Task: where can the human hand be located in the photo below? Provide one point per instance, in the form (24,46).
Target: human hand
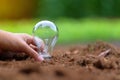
(20,42)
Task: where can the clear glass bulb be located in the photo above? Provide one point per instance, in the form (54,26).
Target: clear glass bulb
(48,32)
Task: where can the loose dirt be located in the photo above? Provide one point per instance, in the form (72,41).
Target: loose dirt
(95,61)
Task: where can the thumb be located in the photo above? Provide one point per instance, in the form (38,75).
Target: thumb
(31,52)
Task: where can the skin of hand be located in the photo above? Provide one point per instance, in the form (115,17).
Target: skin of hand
(19,42)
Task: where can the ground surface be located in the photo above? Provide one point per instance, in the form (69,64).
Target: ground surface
(96,61)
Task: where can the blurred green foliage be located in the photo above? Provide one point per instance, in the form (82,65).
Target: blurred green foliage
(72,30)
(78,8)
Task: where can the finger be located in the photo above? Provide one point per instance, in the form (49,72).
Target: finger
(33,53)
(34,41)
(26,37)
(29,39)
(33,47)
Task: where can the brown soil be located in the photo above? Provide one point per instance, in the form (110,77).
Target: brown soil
(98,61)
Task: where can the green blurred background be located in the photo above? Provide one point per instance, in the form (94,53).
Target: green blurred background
(79,21)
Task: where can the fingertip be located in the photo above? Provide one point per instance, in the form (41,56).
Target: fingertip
(40,58)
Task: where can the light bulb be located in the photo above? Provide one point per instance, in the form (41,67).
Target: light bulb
(48,32)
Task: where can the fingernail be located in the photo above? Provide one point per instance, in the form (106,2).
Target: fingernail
(40,58)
